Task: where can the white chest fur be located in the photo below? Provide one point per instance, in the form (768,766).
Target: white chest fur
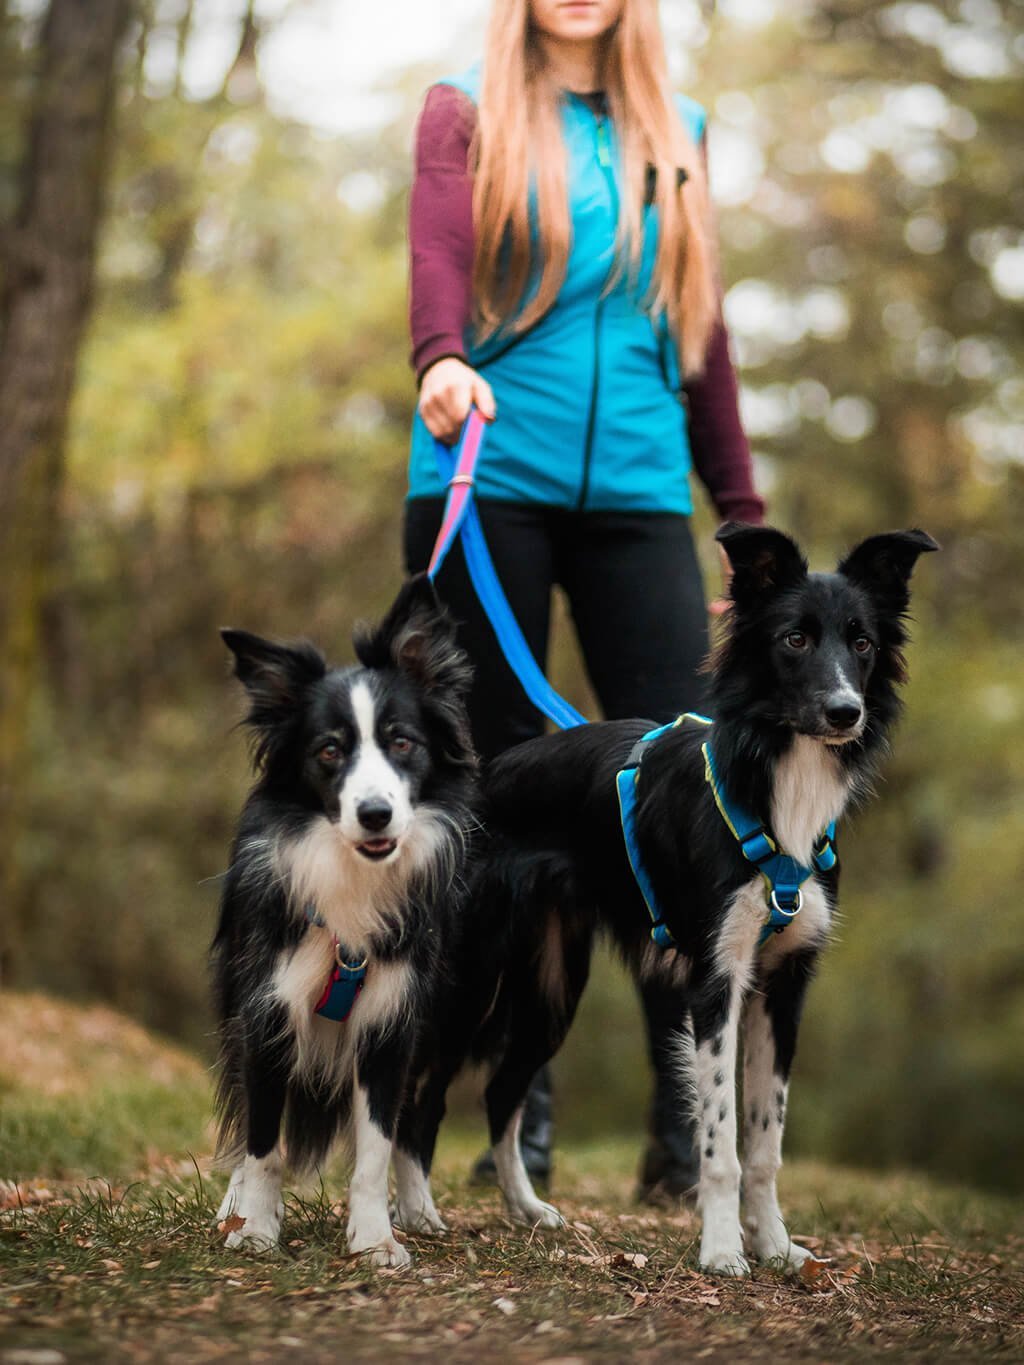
(811,790)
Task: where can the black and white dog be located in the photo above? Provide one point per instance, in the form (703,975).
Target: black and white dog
(803,693)
(350,851)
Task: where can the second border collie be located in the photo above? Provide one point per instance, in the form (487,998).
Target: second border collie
(803,694)
(342,898)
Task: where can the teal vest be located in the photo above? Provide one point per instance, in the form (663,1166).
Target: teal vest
(589,412)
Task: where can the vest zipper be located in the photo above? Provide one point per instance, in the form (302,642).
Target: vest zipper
(604,159)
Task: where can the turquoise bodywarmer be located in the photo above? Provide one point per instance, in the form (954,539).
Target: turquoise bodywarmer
(589,413)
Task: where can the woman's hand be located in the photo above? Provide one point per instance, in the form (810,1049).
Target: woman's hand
(721,604)
(448,391)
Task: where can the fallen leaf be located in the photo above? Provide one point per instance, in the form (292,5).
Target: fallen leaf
(812,1270)
(233,1223)
(634,1258)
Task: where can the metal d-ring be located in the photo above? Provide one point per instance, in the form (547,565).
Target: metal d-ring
(349,966)
(782,909)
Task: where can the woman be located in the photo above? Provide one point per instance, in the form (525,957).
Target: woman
(563,280)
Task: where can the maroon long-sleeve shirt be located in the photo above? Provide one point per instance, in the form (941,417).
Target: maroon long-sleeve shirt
(441,302)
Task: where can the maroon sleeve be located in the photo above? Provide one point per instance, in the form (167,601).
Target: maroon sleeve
(721,454)
(441,228)
(718,443)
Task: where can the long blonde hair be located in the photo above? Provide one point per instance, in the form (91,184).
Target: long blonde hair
(519,137)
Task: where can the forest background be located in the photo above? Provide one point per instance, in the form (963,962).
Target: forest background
(235,451)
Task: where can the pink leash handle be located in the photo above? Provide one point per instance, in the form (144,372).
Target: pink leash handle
(460,486)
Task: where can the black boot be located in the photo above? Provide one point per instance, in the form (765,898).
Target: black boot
(670,1168)
(535,1136)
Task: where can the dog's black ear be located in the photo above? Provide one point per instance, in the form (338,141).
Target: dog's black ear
(764,561)
(883,564)
(274,675)
(417,636)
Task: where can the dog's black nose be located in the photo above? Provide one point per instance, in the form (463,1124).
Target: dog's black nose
(374,813)
(843,715)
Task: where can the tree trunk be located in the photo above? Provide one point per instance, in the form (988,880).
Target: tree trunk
(49,260)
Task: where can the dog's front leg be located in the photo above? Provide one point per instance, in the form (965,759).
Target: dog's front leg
(254,1194)
(769,1040)
(715,1017)
(380,1079)
(416,1139)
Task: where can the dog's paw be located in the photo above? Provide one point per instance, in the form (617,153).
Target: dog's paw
(424,1220)
(231,1200)
(536,1214)
(259,1235)
(387,1254)
(782,1255)
(731,1263)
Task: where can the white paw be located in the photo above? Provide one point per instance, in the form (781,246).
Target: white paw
(389,1253)
(227,1207)
(424,1220)
(232,1196)
(536,1214)
(732,1263)
(783,1254)
(255,1234)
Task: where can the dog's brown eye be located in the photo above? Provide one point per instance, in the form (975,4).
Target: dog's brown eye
(863,645)
(329,752)
(400,744)
(796,639)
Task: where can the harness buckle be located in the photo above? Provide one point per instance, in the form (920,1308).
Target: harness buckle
(465,479)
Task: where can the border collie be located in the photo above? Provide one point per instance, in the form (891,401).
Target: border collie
(349,851)
(803,692)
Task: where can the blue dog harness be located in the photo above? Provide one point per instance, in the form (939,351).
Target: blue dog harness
(346,978)
(783,875)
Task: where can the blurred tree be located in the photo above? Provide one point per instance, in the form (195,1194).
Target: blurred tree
(49,254)
(236,456)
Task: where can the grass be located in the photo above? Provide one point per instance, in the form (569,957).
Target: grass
(103,1269)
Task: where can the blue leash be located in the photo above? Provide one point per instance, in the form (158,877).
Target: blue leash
(783,875)
(461,515)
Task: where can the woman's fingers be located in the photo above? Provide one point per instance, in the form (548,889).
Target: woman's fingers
(447,392)
(483,397)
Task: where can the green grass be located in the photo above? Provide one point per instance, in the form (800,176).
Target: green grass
(99,1266)
(139,1273)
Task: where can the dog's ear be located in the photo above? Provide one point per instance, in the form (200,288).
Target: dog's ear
(274,675)
(417,637)
(883,564)
(764,561)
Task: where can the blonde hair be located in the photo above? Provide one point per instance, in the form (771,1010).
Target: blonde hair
(519,139)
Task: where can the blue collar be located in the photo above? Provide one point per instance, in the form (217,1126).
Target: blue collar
(783,875)
(346,978)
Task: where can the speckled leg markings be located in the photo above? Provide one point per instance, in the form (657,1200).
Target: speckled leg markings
(764,1105)
(369,1224)
(523,1204)
(714,1077)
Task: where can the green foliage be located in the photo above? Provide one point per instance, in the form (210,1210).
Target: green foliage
(237,457)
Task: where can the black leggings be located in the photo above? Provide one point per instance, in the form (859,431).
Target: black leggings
(637,600)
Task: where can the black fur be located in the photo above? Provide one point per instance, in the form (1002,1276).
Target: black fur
(802,653)
(307,747)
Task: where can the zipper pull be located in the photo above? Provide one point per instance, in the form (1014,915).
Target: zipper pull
(604,155)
